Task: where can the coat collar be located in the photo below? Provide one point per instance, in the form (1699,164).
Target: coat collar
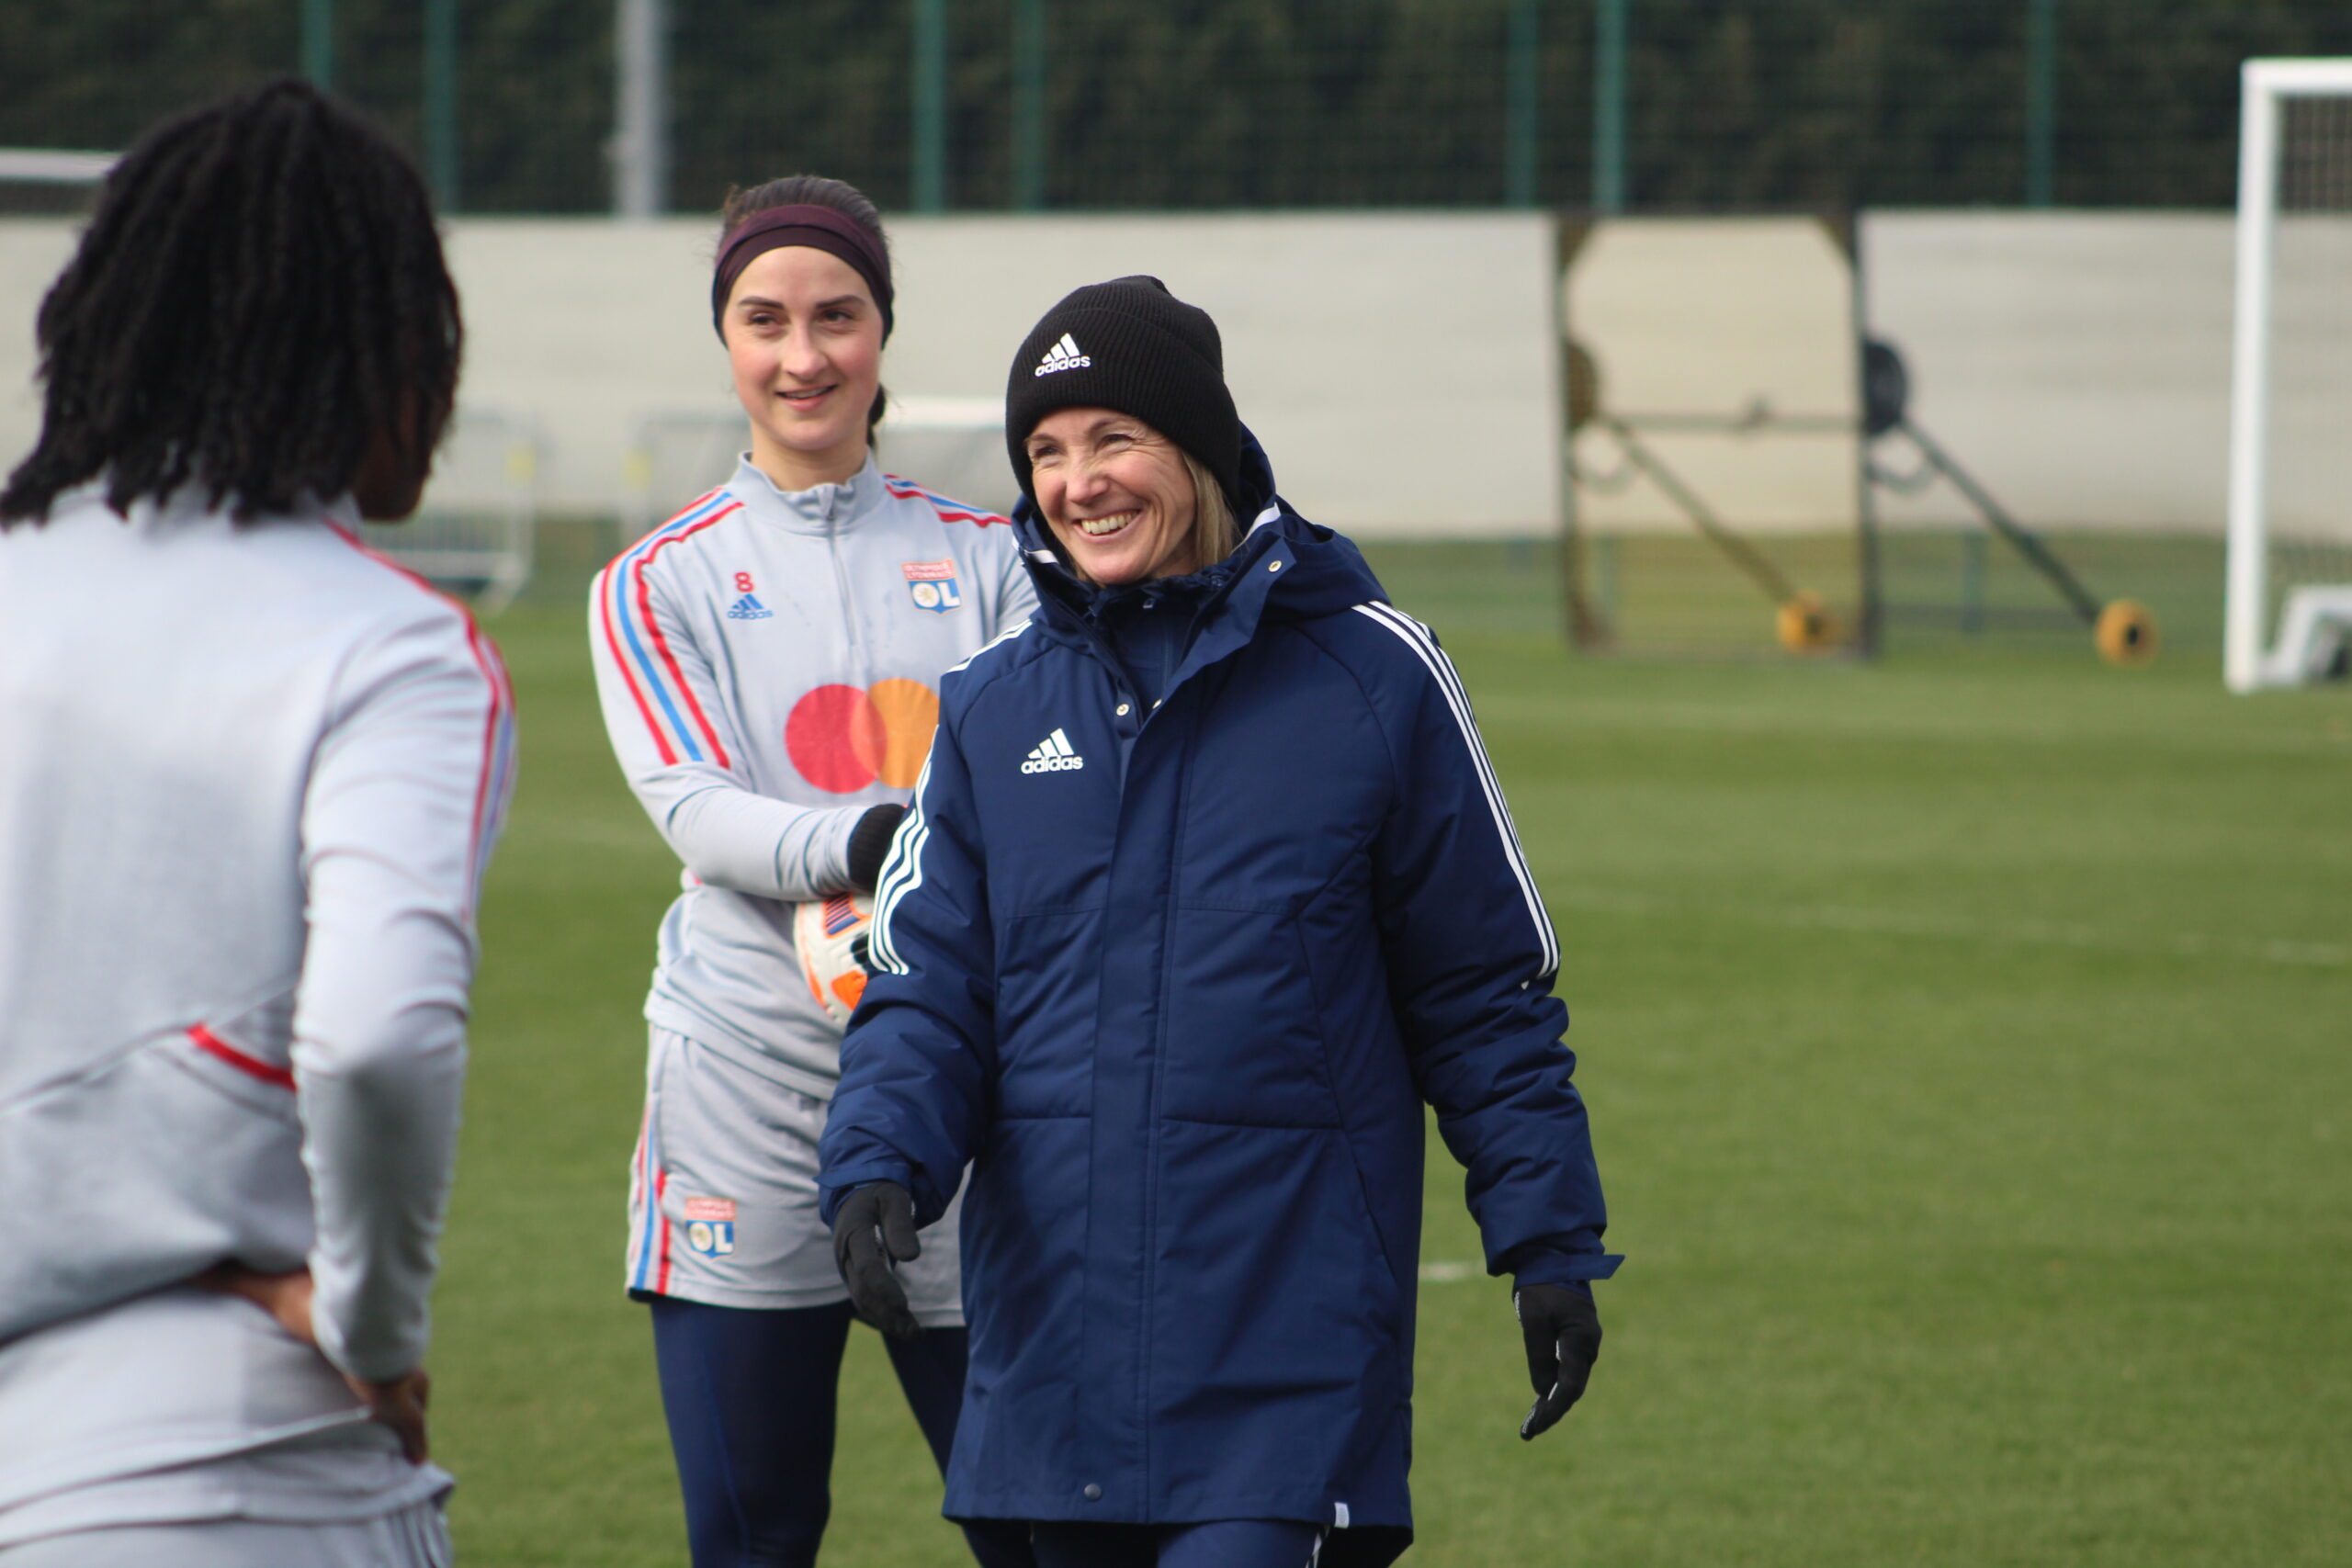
(1285,568)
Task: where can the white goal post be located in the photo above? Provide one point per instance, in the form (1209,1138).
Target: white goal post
(2291,391)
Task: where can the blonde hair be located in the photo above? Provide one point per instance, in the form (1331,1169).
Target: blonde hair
(1214,532)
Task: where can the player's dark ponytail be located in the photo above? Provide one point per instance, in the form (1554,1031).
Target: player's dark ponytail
(811,191)
(259,298)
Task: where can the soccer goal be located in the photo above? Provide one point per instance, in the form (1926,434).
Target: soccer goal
(2289,615)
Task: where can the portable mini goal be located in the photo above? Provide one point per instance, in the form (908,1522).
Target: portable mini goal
(2288,611)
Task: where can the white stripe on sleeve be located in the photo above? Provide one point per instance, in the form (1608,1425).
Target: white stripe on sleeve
(1417,636)
(901,874)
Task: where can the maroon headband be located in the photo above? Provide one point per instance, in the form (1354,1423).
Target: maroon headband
(819,228)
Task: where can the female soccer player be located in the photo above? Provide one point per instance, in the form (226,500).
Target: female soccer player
(249,778)
(768,662)
(1208,889)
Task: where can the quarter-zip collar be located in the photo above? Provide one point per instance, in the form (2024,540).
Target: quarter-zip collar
(823,511)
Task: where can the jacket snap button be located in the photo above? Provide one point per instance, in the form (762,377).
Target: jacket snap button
(1093,1492)
(1274,565)
(1121,710)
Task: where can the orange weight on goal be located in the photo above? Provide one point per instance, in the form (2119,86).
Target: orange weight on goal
(2126,632)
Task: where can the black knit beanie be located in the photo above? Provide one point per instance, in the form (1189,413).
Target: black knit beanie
(1128,345)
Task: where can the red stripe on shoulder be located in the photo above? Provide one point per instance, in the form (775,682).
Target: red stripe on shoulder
(493,727)
(494,673)
(662,643)
(611,589)
(948,511)
(211,1044)
(681,515)
(604,598)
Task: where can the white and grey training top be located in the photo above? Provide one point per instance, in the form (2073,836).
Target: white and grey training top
(250,774)
(769,665)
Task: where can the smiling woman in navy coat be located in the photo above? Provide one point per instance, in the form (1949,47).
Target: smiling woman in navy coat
(1207,887)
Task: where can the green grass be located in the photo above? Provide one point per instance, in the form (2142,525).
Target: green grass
(1966,1037)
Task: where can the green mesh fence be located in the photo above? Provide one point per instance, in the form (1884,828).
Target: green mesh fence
(1190,104)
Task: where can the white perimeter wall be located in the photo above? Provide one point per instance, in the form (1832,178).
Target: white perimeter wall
(1399,365)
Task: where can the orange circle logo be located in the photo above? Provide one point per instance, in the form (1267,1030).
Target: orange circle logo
(843,740)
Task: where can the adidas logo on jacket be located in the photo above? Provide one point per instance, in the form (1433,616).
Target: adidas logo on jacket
(1054,754)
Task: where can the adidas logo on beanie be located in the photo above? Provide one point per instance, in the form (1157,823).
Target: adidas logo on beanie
(1063,356)
(1147,354)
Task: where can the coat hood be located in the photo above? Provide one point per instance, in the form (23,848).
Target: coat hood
(1320,573)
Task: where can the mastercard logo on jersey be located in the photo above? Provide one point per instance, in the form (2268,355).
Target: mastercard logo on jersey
(844,739)
(933,583)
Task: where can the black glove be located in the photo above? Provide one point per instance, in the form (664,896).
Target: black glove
(874,1224)
(869,845)
(1563,1330)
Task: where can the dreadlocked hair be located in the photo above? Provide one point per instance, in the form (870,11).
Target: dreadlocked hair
(812,190)
(259,296)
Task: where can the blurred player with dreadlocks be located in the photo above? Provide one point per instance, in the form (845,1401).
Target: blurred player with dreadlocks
(249,777)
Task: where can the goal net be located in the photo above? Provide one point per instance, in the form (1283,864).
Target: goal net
(2290,596)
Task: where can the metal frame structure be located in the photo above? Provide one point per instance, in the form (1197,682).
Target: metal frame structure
(1801,621)
(2267,83)
(2124,631)
(47,166)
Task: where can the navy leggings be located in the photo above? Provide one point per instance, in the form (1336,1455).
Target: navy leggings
(750,1396)
(1221,1543)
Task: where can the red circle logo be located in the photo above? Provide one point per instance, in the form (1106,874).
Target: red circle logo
(844,739)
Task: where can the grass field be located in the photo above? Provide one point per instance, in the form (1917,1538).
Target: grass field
(1969,1042)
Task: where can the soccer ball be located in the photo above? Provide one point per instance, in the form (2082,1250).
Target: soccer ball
(830,936)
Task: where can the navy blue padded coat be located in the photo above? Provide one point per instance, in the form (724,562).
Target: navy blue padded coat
(1177,983)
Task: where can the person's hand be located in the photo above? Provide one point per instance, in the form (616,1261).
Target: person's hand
(874,1226)
(400,1405)
(1563,1331)
(397,1404)
(869,844)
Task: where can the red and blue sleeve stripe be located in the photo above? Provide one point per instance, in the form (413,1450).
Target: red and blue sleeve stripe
(949,510)
(681,730)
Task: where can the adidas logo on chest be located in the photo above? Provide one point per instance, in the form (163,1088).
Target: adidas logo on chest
(749,608)
(1063,356)
(1054,754)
